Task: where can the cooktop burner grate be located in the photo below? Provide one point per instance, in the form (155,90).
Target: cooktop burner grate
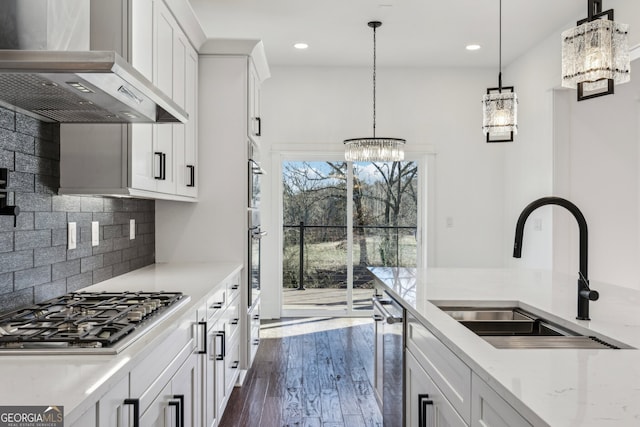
(83,319)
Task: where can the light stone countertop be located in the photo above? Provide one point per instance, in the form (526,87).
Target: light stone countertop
(77,381)
(554,387)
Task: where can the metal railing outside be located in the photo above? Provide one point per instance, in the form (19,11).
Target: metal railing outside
(384,246)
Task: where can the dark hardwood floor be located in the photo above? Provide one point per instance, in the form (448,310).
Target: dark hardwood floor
(309,372)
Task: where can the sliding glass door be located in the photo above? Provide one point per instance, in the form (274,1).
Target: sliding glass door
(338,219)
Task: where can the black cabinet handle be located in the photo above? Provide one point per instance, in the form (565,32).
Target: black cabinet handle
(217,305)
(223,350)
(259,120)
(256,341)
(159,154)
(256,317)
(204,338)
(179,409)
(234,287)
(164,166)
(177,412)
(136,410)
(235,365)
(192,176)
(423,403)
(234,321)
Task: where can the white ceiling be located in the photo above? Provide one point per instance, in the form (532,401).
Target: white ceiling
(420,33)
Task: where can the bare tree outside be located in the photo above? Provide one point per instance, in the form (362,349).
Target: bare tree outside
(384,221)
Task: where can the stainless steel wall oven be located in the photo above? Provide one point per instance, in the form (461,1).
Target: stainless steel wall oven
(255,231)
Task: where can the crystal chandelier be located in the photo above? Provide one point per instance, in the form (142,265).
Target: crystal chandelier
(595,54)
(374,149)
(500,105)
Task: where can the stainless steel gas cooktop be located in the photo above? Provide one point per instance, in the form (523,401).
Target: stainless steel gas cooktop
(85,322)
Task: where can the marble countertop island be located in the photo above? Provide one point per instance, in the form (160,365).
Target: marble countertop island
(553,387)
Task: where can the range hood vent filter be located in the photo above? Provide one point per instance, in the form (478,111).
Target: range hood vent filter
(81,87)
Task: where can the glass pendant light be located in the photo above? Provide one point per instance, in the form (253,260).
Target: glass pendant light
(374,149)
(595,54)
(500,105)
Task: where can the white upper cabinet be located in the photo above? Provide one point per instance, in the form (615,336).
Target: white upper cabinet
(141,160)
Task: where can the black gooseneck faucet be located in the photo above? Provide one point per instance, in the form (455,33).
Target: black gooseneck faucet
(585,294)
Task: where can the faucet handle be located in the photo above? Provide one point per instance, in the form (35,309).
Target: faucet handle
(585,291)
(589,294)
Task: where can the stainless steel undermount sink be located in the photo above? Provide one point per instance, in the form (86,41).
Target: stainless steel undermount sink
(512,327)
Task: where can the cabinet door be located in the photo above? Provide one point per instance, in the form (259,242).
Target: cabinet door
(184,388)
(163,36)
(425,404)
(488,409)
(255,121)
(141,37)
(220,354)
(186,160)
(111,408)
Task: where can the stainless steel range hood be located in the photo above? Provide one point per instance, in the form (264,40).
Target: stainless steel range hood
(81,87)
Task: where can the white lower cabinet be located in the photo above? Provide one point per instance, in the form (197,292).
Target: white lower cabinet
(442,391)
(220,362)
(175,406)
(424,402)
(488,409)
(254,333)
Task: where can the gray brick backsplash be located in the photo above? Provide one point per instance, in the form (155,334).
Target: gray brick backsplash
(59,237)
(80,281)
(105,246)
(35,264)
(49,290)
(31,164)
(82,219)
(50,220)
(112,231)
(83,249)
(121,268)
(112,258)
(33,202)
(32,239)
(17,299)
(112,205)
(34,127)
(31,277)
(120,243)
(7,159)
(91,263)
(7,119)
(19,181)
(6,283)
(66,203)
(130,253)
(47,184)
(149,239)
(102,274)
(65,269)
(25,222)
(47,149)
(14,261)
(91,204)
(48,256)
(6,242)
(104,218)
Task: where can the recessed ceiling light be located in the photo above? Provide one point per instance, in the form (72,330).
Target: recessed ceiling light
(301,45)
(472,47)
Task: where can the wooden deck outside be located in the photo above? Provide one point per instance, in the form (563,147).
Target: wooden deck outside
(325,298)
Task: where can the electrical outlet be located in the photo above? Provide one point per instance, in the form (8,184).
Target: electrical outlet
(95,233)
(71,235)
(132,229)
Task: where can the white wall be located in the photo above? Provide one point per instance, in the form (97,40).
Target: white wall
(584,151)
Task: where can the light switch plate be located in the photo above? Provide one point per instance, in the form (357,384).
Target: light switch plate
(71,235)
(132,229)
(95,233)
